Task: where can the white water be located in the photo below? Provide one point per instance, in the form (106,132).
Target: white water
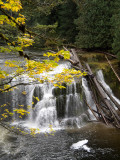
(45,112)
(46,108)
(81,144)
(100,78)
(88,95)
(75,115)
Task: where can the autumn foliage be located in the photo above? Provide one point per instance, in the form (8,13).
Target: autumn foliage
(30,67)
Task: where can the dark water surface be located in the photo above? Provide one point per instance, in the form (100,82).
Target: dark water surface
(103,141)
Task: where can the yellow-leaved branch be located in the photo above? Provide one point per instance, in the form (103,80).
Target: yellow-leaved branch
(17,21)
(31,68)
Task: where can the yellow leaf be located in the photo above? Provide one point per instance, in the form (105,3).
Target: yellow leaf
(24,93)
(56,59)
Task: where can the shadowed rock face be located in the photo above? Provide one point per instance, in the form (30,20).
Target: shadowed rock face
(37,93)
(5,98)
(60,106)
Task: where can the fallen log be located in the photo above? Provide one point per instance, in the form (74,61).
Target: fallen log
(104,98)
(112,68)
(112,99)
(94,97)
(108,119)
(100,111)
(76,58)
(106,112)
(91,110)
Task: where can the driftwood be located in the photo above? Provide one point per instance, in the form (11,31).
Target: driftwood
(113,69)
(112,99)
(91,110)
(104,98)
(100,111)
(106,53)
(104,108)
(75,58)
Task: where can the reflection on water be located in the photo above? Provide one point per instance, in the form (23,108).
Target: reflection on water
(103,141)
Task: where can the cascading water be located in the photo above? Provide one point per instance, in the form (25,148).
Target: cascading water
(22,96)
(100,78)
(75,112)
(44,112)
(61,108)
(65,109)
(88,95)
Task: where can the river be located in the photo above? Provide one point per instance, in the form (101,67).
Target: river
(70,119)
(104,144)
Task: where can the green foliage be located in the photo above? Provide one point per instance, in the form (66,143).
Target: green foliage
(90,24)
(98,25)
(116,28)
(40,18)
(9,32)
(47,35)
(10,22)
(66,13)
(54,23)
(94,25)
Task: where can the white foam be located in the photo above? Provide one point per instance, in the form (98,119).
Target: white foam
(81,144)
(86,148)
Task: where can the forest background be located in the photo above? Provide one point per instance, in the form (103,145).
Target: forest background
(90,25)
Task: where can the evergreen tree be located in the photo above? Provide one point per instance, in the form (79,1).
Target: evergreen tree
(94,25)
(54,21)
(66,13)
(115,22)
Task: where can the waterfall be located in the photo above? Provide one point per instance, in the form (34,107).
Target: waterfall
(100,78)
(60,108)
(88,95)
(75,112)
(18,98)
(45,109)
